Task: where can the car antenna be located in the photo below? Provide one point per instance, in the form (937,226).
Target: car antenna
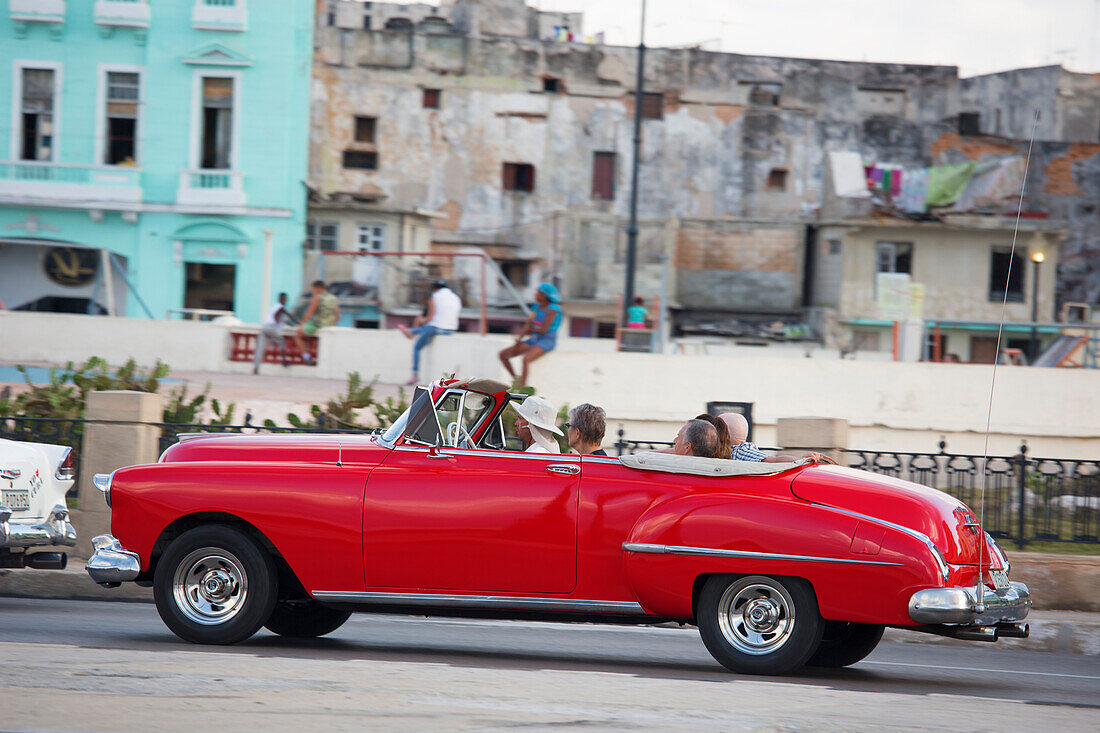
(339,453)
(979,595)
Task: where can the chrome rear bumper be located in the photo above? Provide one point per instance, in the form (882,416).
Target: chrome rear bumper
(56,530)
(960,605)
(110,564)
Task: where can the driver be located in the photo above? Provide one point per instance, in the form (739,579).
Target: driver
(536,423)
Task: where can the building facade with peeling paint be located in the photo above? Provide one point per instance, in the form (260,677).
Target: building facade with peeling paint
(523,143)
(155,154)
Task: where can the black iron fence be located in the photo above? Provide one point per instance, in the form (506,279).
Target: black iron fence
(1026,498)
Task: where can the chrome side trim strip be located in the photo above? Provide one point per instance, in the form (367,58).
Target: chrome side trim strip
(743,554)
(441,600)
(941,561)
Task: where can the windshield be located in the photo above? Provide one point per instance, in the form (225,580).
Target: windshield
(395,431)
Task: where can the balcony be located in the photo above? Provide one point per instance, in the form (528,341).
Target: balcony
(122,13)
(37,11)
(219,15)
(211,187)
(63,183)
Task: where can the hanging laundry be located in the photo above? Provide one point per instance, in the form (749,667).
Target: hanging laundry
(946,182)
(896,183)
(994,182)
(914,188)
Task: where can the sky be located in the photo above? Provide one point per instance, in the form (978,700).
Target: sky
(978,36)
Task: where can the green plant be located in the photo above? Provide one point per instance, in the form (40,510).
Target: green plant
(64,395)
(346,410)
(180,410)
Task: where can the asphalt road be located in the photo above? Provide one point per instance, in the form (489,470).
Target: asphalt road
(73,665)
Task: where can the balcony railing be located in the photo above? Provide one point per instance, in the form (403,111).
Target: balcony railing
(211,187)
(219,15)
(122,13)
(37,11)
(65,182)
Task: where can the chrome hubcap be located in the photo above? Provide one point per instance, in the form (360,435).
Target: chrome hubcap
(210,586)
(756,615)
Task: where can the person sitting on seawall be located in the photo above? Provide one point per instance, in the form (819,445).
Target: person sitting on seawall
(272,330)
(323,311)
(636,315)
(541,329)
(585,429)
(743,450)
(696,438)
(536,423)
(441,317)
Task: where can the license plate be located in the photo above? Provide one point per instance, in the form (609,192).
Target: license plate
(1000,579)
(16,500)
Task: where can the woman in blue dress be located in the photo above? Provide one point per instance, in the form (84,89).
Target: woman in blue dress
(541,331)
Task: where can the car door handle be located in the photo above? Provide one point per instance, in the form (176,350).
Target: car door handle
(440,455)
(567,468)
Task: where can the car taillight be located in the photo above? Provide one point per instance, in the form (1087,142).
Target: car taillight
(65,470)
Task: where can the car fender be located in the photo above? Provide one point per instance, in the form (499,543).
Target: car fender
(312,515)
(860,570)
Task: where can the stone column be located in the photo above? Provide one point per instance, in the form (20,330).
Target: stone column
(118,434)
(798,435)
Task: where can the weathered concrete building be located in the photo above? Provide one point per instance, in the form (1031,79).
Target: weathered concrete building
(523,143)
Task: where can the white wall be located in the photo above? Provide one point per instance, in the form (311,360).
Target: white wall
(899,406)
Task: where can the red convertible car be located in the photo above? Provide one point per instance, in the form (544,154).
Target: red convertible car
(779,565)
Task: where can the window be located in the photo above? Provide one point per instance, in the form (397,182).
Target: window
(777,180)
(519,177)
(603,176)
(894,257)
(367,161)
(550,85)
(123,95)
(834,246)
(1005,266)
(763,93)
(321,235)
(370,236)
(431,99)
(38,108)
(879,101)
(365,129)
(366,22)
(217,122)
(653,106)
(970,123)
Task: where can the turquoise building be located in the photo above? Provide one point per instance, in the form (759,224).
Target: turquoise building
(153,154)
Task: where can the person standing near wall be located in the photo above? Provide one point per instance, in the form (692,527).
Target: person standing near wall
(541,330)
(636,315)
(272,330)
(444,306)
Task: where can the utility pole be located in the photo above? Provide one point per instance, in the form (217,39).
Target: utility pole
(632,228)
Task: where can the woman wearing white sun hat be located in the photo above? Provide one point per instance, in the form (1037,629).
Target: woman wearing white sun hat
(536,423)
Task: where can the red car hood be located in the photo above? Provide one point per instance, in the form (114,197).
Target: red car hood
(940,516)
(279,448)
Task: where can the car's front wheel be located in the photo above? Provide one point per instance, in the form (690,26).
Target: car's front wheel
(758,624)
(304,618)
(215,585)
(845,643)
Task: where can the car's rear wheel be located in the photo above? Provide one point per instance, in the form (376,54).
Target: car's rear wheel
(215,585)
(304,618)
(758,624)
(844,643)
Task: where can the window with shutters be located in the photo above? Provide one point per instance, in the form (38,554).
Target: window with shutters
(37,119)
(361,159)
(653,106)
(365,129)
(518,177)
(217,122)
(1006,266)
(603,175)
(777,180)
(121,124)
(431,99)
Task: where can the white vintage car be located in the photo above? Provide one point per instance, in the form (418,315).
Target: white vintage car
(33,480)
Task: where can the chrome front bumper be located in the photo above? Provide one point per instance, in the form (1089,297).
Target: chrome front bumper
(110,565)
(959,606)
(56,530)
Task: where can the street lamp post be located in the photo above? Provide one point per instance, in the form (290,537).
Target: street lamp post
(1037,258)
(632,228)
